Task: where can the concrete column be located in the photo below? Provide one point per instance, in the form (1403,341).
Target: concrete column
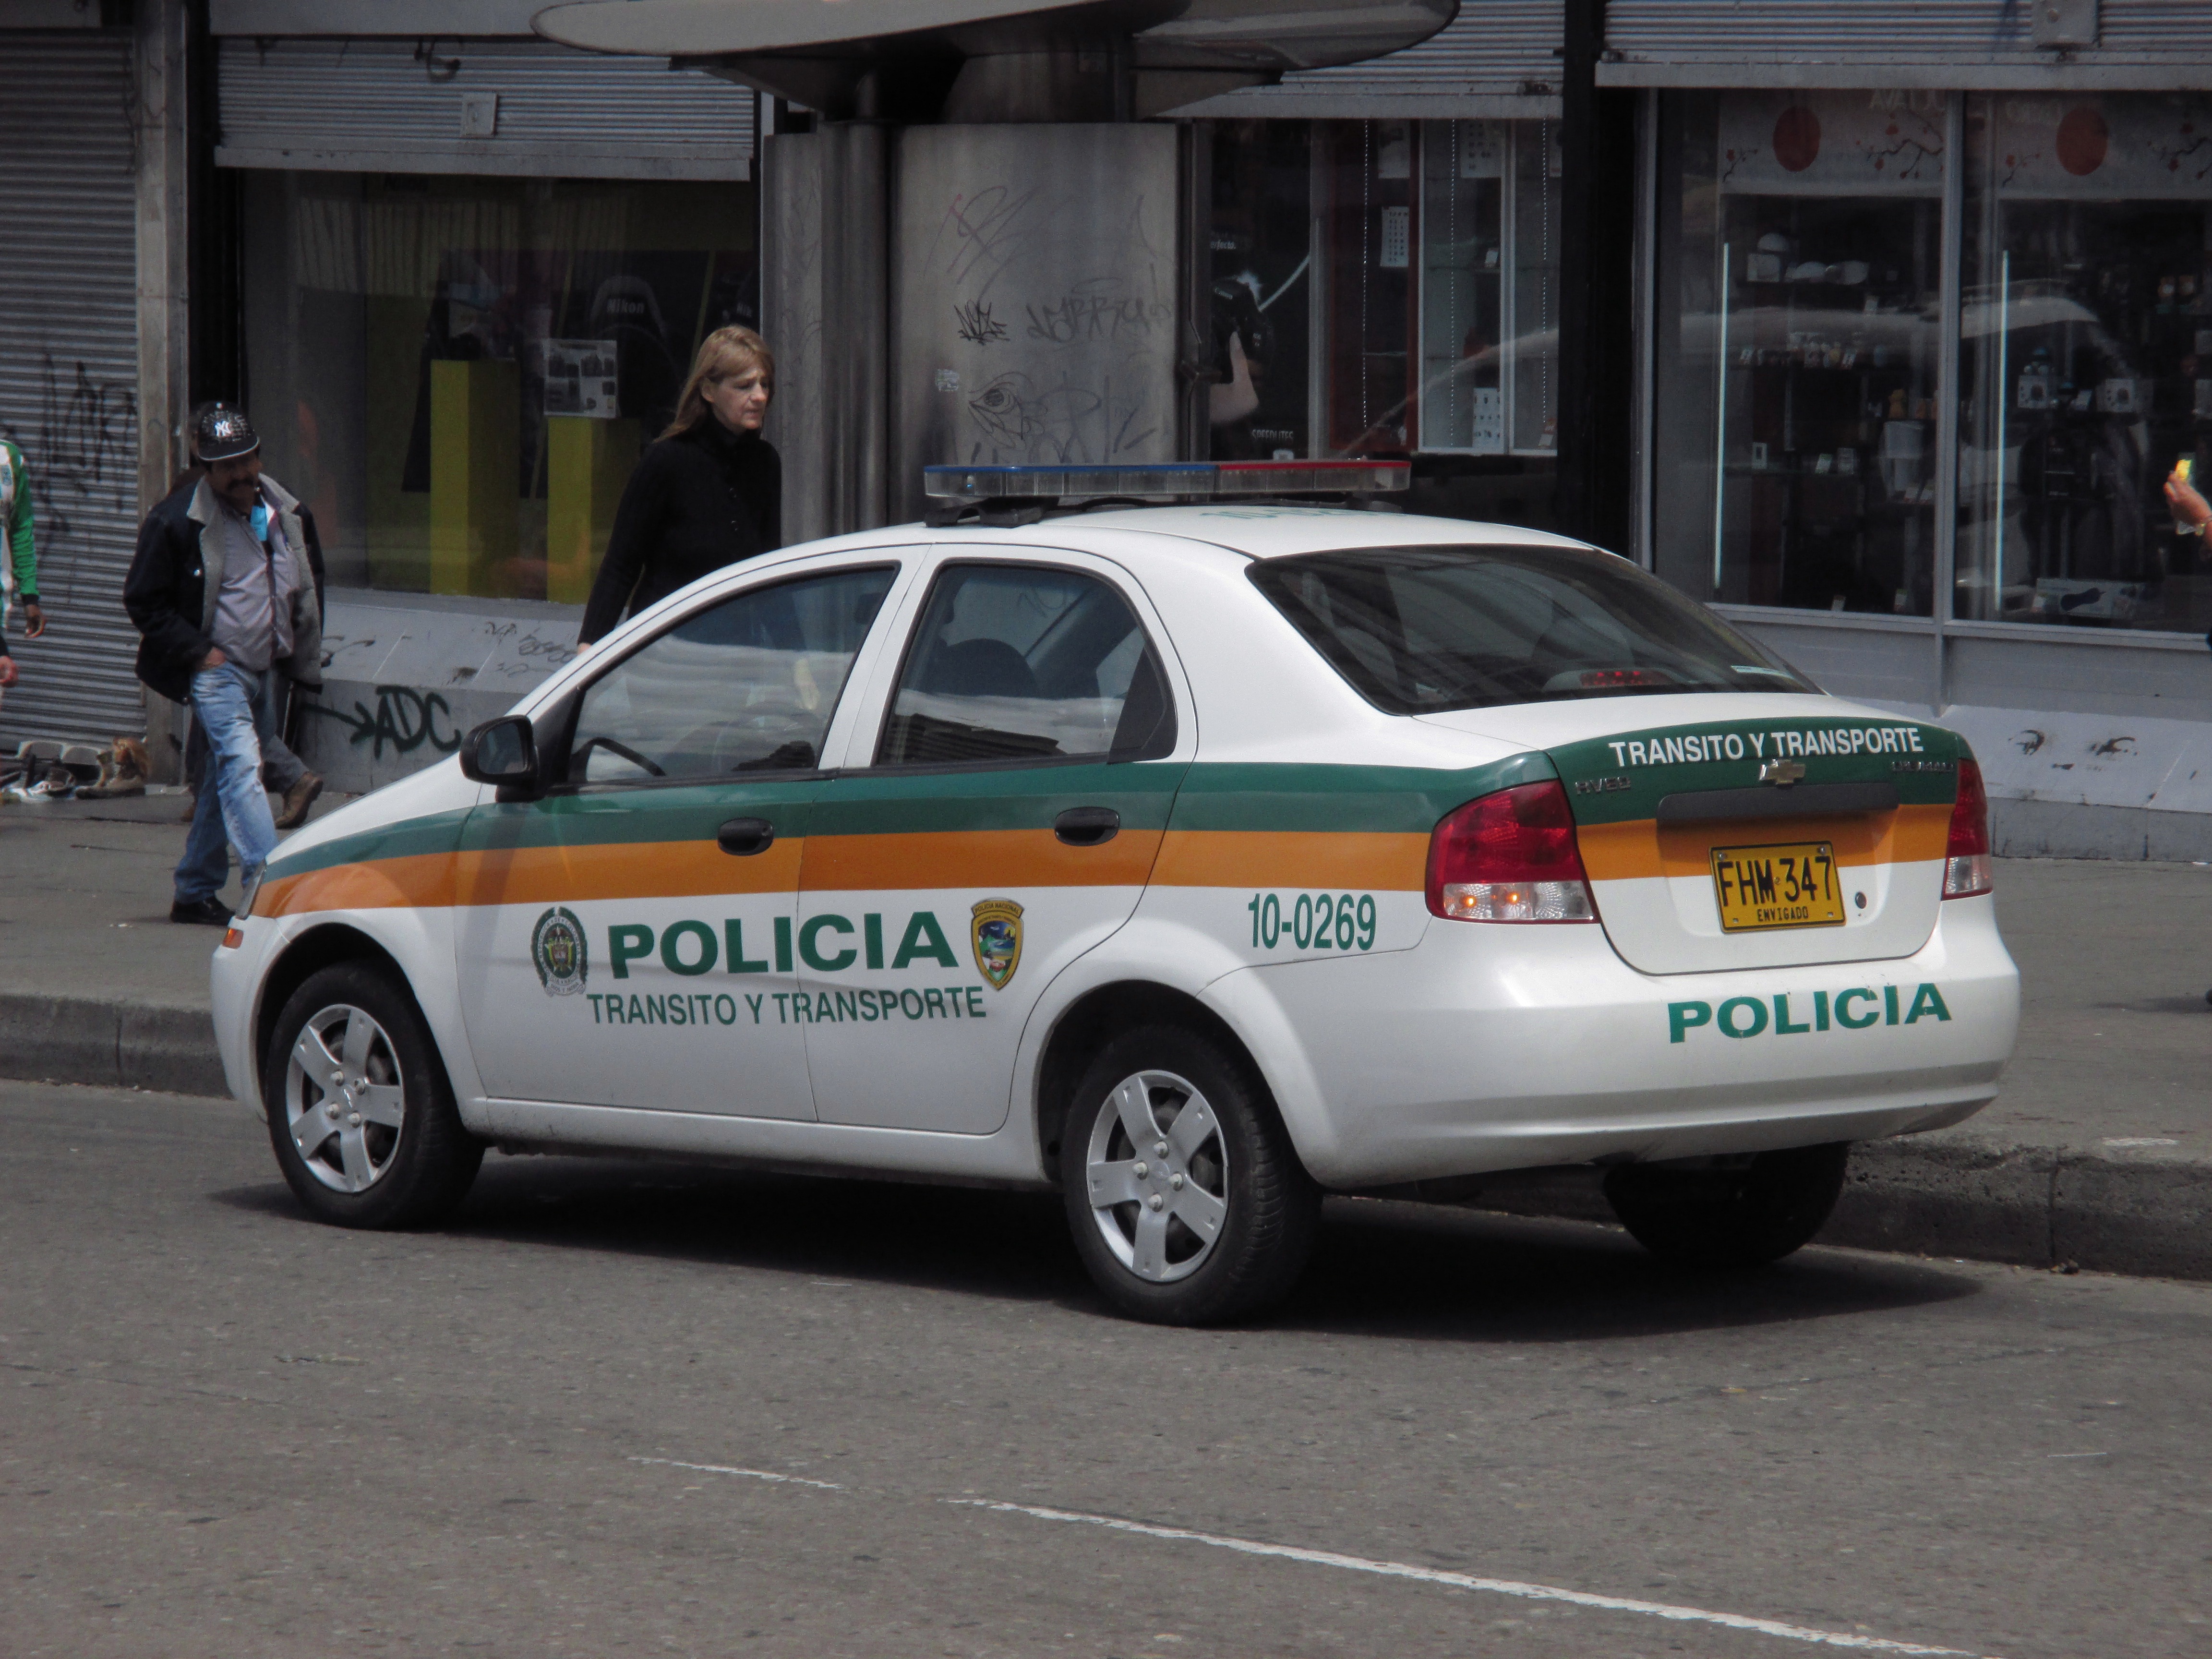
(1597,214)
(791,319)
(857,286)
(160,101)
(826,214)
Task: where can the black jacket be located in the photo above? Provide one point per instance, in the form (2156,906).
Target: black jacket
(173,605)
(697,501)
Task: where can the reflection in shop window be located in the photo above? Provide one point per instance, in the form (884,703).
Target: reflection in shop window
(1389,287)
(1798,347)
(1263,284)
(2087,346)
(458,374)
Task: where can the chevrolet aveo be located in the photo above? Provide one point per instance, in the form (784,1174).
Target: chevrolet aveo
(1195,860)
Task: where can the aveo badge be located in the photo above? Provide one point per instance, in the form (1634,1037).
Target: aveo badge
(996,934)
(557,945)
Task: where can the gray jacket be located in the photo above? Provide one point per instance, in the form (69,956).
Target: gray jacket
(177,574)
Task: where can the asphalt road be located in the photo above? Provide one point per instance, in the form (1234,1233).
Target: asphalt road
(622,1408)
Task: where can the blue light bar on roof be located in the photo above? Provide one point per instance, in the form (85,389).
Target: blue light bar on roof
(1202,480)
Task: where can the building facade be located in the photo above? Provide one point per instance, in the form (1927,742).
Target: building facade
(1877,327)
(1925,297)
(455,273)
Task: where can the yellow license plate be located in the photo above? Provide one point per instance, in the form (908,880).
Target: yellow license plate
(1792,885)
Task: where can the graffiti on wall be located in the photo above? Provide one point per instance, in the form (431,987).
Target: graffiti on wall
(81,454)
(405,717)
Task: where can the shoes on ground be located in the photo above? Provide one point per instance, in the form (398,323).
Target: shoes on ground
(298,799)
(208,912)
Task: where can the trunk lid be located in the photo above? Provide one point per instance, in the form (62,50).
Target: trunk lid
(1832,822)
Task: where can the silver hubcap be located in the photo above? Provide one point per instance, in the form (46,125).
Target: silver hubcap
(1157,1171)
(344,1099)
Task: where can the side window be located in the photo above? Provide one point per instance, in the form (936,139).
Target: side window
(747,686)
(1023,662)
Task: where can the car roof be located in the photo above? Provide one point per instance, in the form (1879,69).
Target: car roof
(1272,530)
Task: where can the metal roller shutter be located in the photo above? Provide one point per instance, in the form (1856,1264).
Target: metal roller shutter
(68,372)
(1498,57)
(1969,44)
(398,106)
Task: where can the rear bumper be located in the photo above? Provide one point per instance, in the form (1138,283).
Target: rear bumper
(1492,1048)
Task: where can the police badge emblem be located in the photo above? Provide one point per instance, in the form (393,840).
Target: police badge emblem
(557,945)
(996,935)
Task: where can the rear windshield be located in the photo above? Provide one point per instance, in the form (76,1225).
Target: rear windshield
(1420,629)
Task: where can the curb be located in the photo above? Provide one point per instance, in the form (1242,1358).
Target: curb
(1985,1197)
(112,1045)
(1993,1199)
(1955,1192)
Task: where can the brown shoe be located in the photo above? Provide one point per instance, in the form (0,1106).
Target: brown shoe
(298,799)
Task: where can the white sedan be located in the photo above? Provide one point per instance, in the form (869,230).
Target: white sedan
(1193,860)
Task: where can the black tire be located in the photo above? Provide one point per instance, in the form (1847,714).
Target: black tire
(1741,1217)
(1222,1259)
(393,1152)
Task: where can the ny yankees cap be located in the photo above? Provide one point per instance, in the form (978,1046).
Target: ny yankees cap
(223,434)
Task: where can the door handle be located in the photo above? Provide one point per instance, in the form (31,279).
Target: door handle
(743,838)
(1087,826)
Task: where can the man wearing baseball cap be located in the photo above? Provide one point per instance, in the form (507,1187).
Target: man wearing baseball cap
(225,589)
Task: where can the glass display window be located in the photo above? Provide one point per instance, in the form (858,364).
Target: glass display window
(458,374)
(1262,257)
(2087,359)
(1419,259)
(1797,354)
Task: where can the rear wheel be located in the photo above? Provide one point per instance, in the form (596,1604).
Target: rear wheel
(1740,1215)
(1187,1203)
(360,1113)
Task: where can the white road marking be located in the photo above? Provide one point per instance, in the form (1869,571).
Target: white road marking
(750,1474)
(1388,1569)
(1467,1581)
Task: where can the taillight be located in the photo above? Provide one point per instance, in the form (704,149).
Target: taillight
(1510,857)
(1967,859)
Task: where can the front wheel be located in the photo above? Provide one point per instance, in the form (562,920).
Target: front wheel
(360,1113)
(1187,1203)
(1742,1215)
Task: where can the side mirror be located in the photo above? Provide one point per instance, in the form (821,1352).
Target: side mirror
(503,751)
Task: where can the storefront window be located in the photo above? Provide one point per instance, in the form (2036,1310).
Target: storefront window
(1391,288)
(2087,326)
(1799,325)
(457,373)
(1263,287)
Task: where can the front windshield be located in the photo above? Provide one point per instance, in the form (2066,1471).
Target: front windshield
(1420,629)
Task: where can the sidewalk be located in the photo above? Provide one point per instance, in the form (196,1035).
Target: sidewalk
(97,985)
(2099,1150)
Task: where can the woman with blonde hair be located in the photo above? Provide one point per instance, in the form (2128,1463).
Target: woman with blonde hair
(708,494)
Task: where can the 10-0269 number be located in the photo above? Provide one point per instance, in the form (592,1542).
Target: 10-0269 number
(1313,921)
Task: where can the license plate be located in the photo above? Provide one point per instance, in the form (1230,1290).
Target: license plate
(1792,885)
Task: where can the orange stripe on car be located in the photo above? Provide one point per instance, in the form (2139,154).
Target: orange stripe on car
(1247,857)
(975,858)
(1642,848)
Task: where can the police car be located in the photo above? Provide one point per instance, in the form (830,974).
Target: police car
(1193,859)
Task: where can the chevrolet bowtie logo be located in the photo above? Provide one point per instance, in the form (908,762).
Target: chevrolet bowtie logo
(1779,772)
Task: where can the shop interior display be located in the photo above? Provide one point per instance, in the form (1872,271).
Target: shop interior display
(2090,346)
(1828,349)
(1390,288)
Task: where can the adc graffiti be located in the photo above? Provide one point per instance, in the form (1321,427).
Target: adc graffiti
(405,718)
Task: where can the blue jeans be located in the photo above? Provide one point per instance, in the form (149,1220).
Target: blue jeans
(234,709)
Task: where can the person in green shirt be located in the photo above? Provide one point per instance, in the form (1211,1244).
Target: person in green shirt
(20,552)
